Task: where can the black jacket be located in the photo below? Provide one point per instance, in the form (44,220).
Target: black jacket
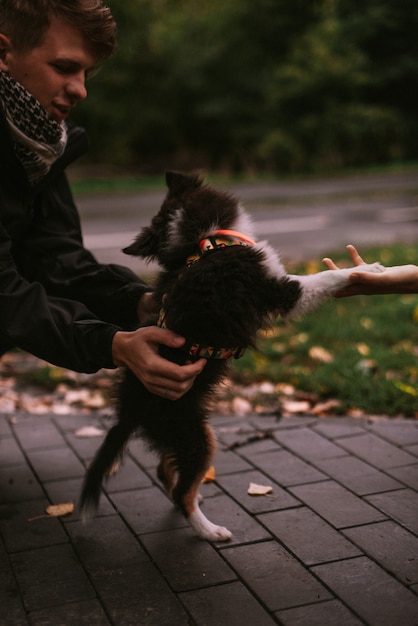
(56,301)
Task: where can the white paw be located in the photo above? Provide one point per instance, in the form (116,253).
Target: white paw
(206,529)
(374,268)
(219,533)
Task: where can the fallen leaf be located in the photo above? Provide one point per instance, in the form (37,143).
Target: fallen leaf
(320,354)
(59,510)
(294,406)
(210,475)
(322,408)
(240,406)
(363,349)
(89,431)
(259,490)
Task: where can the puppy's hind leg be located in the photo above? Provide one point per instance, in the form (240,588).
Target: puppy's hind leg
(191,471)
(166,472)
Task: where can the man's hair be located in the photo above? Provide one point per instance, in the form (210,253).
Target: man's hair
(25,22)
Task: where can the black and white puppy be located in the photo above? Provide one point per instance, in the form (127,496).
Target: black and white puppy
(217,288)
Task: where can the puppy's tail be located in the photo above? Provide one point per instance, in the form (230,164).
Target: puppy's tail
(109,454)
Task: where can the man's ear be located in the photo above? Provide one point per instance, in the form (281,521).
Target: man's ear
(5,47)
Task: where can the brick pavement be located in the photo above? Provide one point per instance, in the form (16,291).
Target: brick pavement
(335,544)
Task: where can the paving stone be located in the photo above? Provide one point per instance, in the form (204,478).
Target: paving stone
(401,433)
(376,451)
(10,602)
(105,543)
(402,505)
(129,476)
(391,546)
(412,449)
(50,576)
(357,475)
(307,535)
(370,592)
(224,511)
(230,604)
(84,447)
(140,452)
(265,423)
(237,486)
(407,474)
(5,428)
(10,452)
(56,464)
(87,613)
(337,428)
(337,505)
(278,579)
(327,613)
(296,421)
(308,444)
(229,462)
(286,469)
(148,510)
(21,530)
(138,595)
(69,491)
(230,437)
(186,561)
(145,566)
(73,421)
(38,435)
(17,483)
(256,448)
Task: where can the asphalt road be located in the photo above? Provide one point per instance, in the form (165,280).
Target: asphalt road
(304,219)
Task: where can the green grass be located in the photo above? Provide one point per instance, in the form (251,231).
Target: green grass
(371,343)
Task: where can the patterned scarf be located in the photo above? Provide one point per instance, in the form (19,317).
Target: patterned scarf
(37,138)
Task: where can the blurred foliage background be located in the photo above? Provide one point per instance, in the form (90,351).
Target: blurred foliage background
(250,86)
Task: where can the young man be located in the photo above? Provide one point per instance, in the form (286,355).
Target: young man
(56,301)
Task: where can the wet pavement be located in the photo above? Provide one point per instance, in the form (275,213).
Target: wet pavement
(335,542)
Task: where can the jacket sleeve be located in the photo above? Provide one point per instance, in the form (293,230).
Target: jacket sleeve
(53,254)
(56,301)
(60,331)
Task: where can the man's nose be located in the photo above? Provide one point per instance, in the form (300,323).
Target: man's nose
(76,87)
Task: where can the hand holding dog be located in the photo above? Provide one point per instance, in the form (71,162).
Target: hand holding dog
(138,350)
(397,279)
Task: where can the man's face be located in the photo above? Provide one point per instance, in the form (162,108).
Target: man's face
(55,72)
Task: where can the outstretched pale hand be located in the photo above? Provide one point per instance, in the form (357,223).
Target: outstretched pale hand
(397,279)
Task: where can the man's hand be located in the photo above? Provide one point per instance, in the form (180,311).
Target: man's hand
(398,279)
(138,350)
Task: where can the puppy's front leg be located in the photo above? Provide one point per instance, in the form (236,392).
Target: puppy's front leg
(316,288)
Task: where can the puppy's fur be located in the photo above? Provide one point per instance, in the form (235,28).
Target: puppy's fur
(216,299)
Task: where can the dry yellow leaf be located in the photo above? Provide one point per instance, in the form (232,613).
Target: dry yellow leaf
(209,476)
(59,510)
(320,354)
(259,490)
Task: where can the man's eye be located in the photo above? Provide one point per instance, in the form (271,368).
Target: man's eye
(62,69)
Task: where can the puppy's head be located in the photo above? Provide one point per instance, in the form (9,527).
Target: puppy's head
(190,211)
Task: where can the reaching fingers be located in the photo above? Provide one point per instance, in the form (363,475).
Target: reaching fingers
(329,263)
(355,257)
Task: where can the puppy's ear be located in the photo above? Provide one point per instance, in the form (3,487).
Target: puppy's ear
(178,182)
(145,245)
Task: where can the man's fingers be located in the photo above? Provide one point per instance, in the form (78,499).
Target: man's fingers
(329,263)
(354,255)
